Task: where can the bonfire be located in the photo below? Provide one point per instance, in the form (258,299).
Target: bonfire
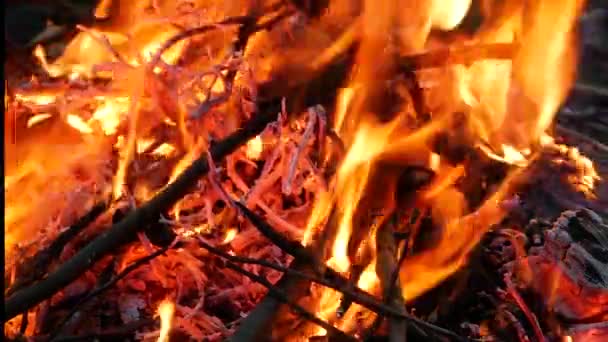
(348,170)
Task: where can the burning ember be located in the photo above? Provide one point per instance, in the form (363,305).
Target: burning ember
(302,171)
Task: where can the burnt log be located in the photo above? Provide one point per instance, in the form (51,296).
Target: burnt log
(568,273)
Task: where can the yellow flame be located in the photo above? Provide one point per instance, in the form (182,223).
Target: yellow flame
(110,113)
(76,122)
(143,144)
(166,311)
(255,147)
(164,150)
(510,155)
(38,118)
(39,99)
(230,235)
(447,14)
(434,161)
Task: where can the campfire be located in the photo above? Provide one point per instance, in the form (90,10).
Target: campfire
(300,171)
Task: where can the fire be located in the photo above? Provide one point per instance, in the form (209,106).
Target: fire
(77,123)
(230,235)
(510,155)
(503,108)
(166,311)
(37,119)
(39,99)
(255,147)
(110,113)
(510,105)
(446,15)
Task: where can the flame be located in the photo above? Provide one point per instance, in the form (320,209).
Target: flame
(92,48)
(110,113)
(509,105)
(102,11)
(510,155)
(506,105)
(230,235)
(166,311)
(255,147)
(38,118)
(78,123)
(446,15)
(164,149)
(39,99)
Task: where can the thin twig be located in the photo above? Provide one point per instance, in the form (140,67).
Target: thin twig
(340,284)
(386,266)
(238,20)
(288,246)
(248,27)
(283,297)
(244,20)
(312,120)
(591,89)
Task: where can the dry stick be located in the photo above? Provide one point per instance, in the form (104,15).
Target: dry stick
(336,282)
(124,231)
(408,246)
(287,186)
(284,298)
(386,266)
(339,284)
(35,267)
(354,275)
(99,290)
(239,20)
(288,246)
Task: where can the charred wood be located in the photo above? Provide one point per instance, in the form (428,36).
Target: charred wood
(386,266)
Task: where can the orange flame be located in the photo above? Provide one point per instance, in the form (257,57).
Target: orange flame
(508,106)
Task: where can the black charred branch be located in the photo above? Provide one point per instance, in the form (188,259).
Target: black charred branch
(386,266)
